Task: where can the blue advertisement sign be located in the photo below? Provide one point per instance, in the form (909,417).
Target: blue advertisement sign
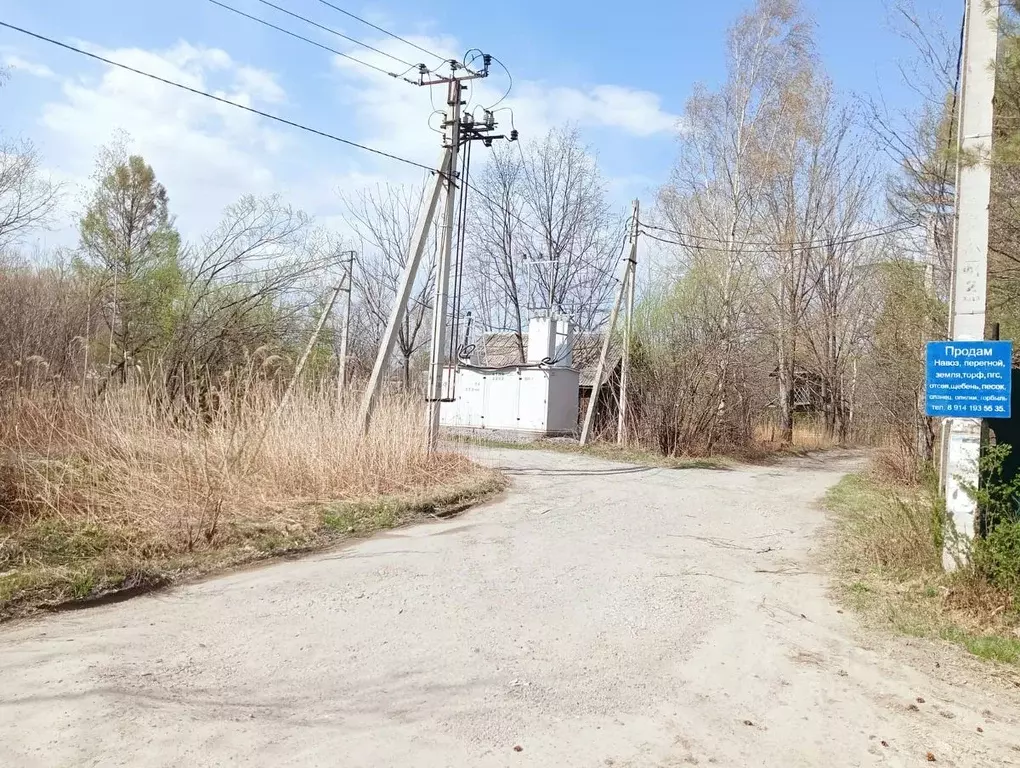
(969,379)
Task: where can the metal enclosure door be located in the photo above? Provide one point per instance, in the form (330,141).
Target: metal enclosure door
(534,401)
(500,400)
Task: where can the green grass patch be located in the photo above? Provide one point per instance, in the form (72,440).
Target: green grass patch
(989,647)
(888,553)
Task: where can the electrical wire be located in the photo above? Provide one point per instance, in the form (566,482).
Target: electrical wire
(479,53)
(384,31)
(772,247)
(513,126)
(428,122)
(220,99)
(295,35)
(339,34)
(508,88)
(544,362)
(877,232)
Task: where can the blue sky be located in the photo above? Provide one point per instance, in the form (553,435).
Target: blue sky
(622,72)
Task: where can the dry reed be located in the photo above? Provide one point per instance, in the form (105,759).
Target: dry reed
(124,459)
(109,484)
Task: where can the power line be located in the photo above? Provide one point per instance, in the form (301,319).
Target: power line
(877,231)
(220,99)
(309,40)
(332,31)
(508,88)
(384,31)
(776,247)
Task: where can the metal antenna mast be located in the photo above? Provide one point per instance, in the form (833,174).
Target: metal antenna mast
(458,130)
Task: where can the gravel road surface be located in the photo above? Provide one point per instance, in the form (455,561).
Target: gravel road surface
(597,615)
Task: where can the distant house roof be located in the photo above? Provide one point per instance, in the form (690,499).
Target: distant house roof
(501,350)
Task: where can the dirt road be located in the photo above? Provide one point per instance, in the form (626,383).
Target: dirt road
(598,615)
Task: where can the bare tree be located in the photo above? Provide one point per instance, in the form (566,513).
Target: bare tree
(499,280)
(383,219)
(577,234)
(27,195)
(842,276)
(244,286)
(46,321)
(921,141)
(543,235)
(819,195)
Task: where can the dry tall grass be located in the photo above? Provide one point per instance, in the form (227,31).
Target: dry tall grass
(808,434)
(125,476)
(123,460)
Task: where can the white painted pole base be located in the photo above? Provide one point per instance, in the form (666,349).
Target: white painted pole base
(963,455)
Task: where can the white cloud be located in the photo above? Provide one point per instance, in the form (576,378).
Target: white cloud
(14,61)
(395,109)
(208,154)
(638,113)
(261,84)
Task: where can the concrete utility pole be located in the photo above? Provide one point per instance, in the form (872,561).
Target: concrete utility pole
(457,130)
(345,329)
(437,361)
(628,325)
(626,281)
(970,256)
(389,339)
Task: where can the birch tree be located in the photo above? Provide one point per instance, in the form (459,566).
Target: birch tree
(730,147)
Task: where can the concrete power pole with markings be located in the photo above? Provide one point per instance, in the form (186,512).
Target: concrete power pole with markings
(968,297)
(459,127)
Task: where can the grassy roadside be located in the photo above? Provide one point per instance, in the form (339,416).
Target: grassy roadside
(125,491)
(888,556)
(58,565)
(609,451)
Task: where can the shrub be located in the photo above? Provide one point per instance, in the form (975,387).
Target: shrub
(997,553)
(998,557)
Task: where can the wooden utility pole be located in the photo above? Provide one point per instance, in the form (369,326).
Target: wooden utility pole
(968,298)
(628,325)
(625,280)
